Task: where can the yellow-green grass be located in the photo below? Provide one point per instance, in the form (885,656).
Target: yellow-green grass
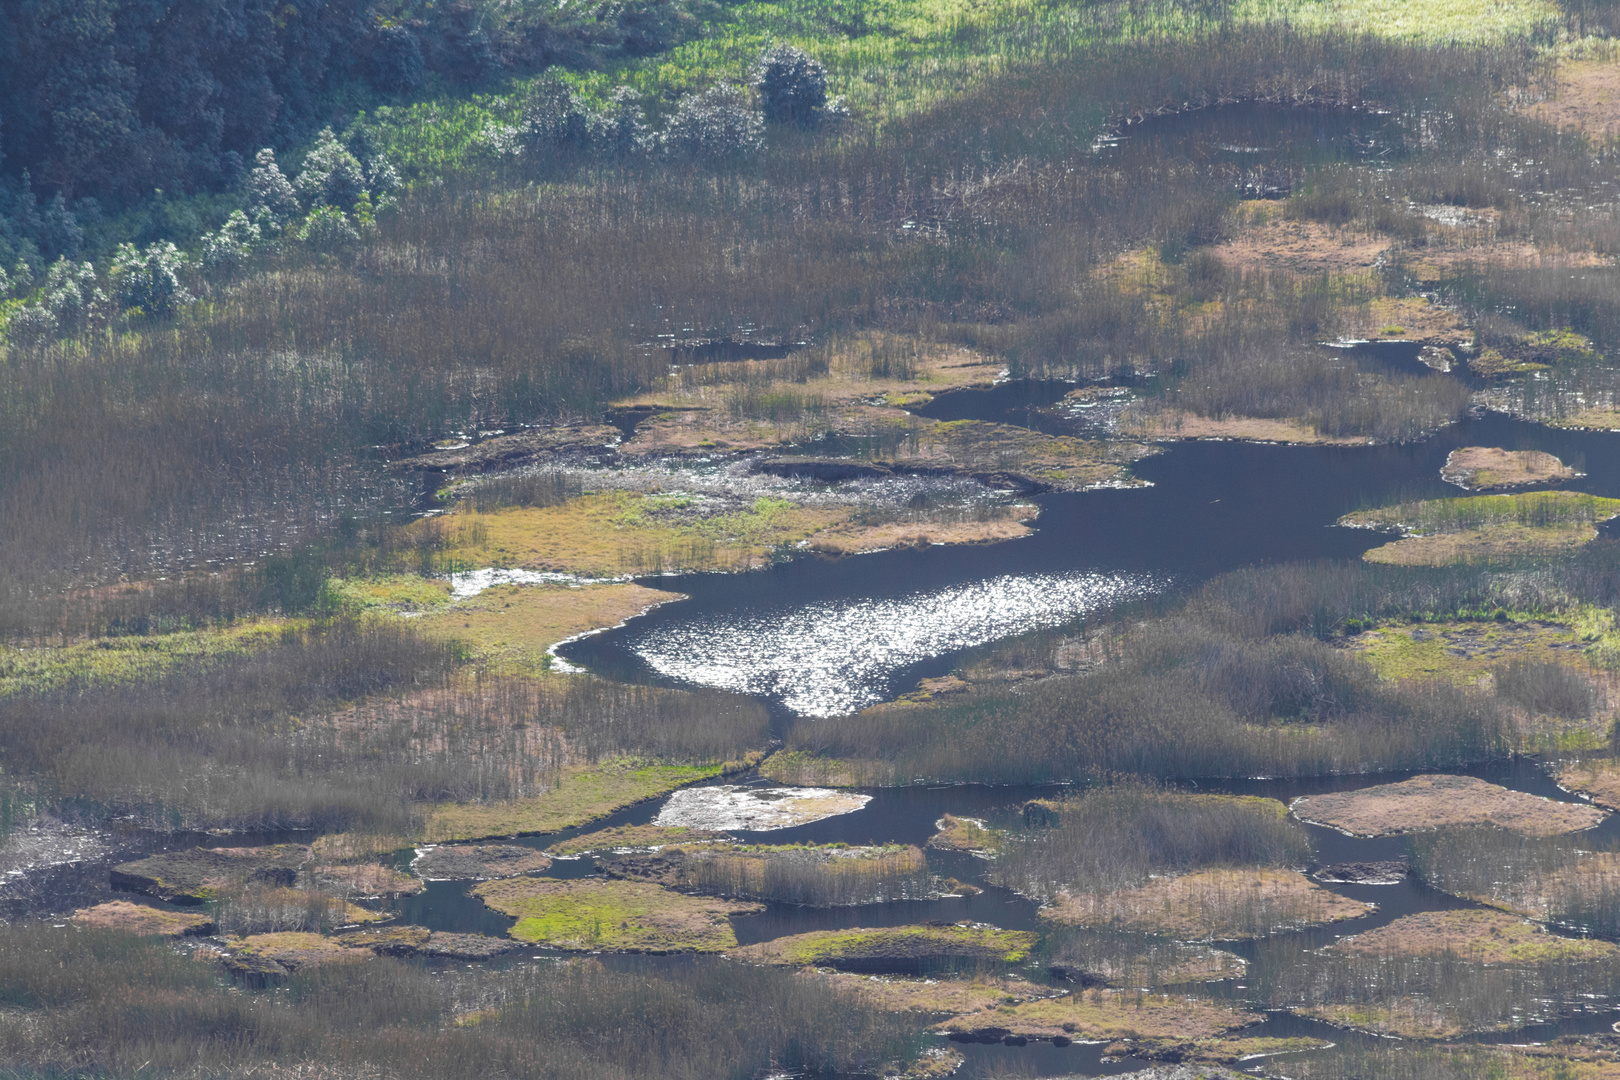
(1108,1015)
(899,946)
(617,532)
(115,659)
(1463,651)
(623,916)
(965,834)
(889,59)
(582,795)
(510,627)
(392,592)
(1488,937)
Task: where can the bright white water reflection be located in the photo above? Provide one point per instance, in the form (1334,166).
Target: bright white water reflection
(827,659)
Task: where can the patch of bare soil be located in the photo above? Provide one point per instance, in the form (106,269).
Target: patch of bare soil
(1488,468)
(1153,1021)
(1585,98)
(1222,905)
(1598,779)
(1488,937)
(420,941)
(128,918)
(277,955)
(899,993)
(480,862)
(1265,240)
(858,540)
(1438,801)
(1491,543)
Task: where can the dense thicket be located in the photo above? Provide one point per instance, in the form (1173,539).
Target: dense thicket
(109,99)
(114,1005)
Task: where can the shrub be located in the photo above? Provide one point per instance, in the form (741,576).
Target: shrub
(717,123)
(792,86)
(328,229)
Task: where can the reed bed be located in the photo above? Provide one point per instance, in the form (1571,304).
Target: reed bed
(1118,837)
(271,737)
(1572,881)
(814,876)
(116,1005)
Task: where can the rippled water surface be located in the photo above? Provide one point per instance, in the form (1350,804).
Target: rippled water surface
(838,656)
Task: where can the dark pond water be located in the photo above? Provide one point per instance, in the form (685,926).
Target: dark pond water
(815,630)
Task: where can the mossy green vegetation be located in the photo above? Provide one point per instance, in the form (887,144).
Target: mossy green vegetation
(582,794)
(966,834)
(41,667)
(618,916)
(900,949)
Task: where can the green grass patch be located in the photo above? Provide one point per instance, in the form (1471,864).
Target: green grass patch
(623,916)
(903,949)
(41,668)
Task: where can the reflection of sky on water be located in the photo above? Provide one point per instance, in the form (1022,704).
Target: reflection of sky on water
(831,658)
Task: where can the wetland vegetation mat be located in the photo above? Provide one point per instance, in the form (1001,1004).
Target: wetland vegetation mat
(804,539)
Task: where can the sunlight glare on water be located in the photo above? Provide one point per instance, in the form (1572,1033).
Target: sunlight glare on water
(828,659)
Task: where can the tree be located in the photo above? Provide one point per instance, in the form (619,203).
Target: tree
(331,176)
(716,123)
(268,191)
(792,86)
(150,279)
